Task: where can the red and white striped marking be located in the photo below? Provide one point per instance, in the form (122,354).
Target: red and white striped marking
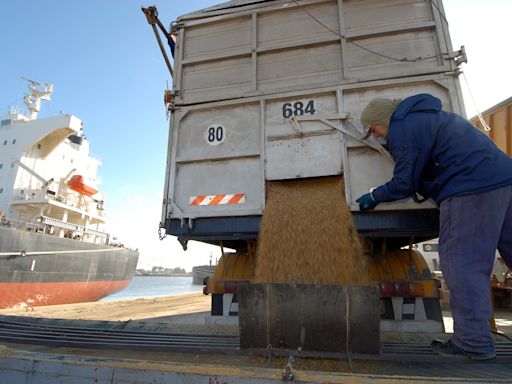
(234,198)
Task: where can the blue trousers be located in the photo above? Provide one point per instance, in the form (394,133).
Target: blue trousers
(472,227)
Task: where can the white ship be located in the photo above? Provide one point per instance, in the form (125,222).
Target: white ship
(53,245)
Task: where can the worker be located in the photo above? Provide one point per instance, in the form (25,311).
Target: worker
(440,155)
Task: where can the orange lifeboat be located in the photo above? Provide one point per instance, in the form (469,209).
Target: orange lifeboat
(77,183)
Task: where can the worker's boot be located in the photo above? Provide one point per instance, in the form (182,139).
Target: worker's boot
(448,348)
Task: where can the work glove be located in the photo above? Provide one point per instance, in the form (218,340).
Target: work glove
(366,202)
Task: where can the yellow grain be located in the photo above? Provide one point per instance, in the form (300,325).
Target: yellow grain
(307,236)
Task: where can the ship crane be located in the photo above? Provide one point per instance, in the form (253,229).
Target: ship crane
(34,173)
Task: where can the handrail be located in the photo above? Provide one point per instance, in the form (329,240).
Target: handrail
(44,223)
(42,193)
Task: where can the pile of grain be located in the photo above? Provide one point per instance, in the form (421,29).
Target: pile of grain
(307,236)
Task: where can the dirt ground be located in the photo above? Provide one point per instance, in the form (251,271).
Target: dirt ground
(122,310)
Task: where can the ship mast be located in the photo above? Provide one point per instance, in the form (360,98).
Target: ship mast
(33,100)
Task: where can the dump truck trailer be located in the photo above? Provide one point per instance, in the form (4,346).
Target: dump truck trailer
(267,91)
(271,90)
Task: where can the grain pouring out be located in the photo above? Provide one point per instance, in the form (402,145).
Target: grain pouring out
(307,236)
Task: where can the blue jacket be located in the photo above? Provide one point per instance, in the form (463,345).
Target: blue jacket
(439,154)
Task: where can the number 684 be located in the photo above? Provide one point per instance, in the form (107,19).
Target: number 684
(298,109)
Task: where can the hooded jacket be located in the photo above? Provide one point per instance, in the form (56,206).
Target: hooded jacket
(439,154)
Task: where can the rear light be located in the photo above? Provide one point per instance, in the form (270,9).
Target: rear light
(417,289)
(401,289)
(387,289)
(228,286)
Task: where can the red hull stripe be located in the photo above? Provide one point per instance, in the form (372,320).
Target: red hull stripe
(37,294)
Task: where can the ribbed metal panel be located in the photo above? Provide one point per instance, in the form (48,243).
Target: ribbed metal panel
(402,360)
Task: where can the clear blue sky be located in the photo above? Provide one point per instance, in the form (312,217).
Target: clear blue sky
(107,70)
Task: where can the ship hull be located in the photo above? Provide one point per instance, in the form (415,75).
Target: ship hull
(38,269)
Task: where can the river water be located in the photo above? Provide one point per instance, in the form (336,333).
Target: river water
(147,286)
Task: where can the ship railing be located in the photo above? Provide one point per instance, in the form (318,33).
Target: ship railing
(73,227)
(19,224)
(31,194)
(47,225)
(92,206)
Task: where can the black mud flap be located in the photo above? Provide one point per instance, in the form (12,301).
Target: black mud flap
(324,318)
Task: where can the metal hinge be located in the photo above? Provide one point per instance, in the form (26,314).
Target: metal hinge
(175,26)
(459,57)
